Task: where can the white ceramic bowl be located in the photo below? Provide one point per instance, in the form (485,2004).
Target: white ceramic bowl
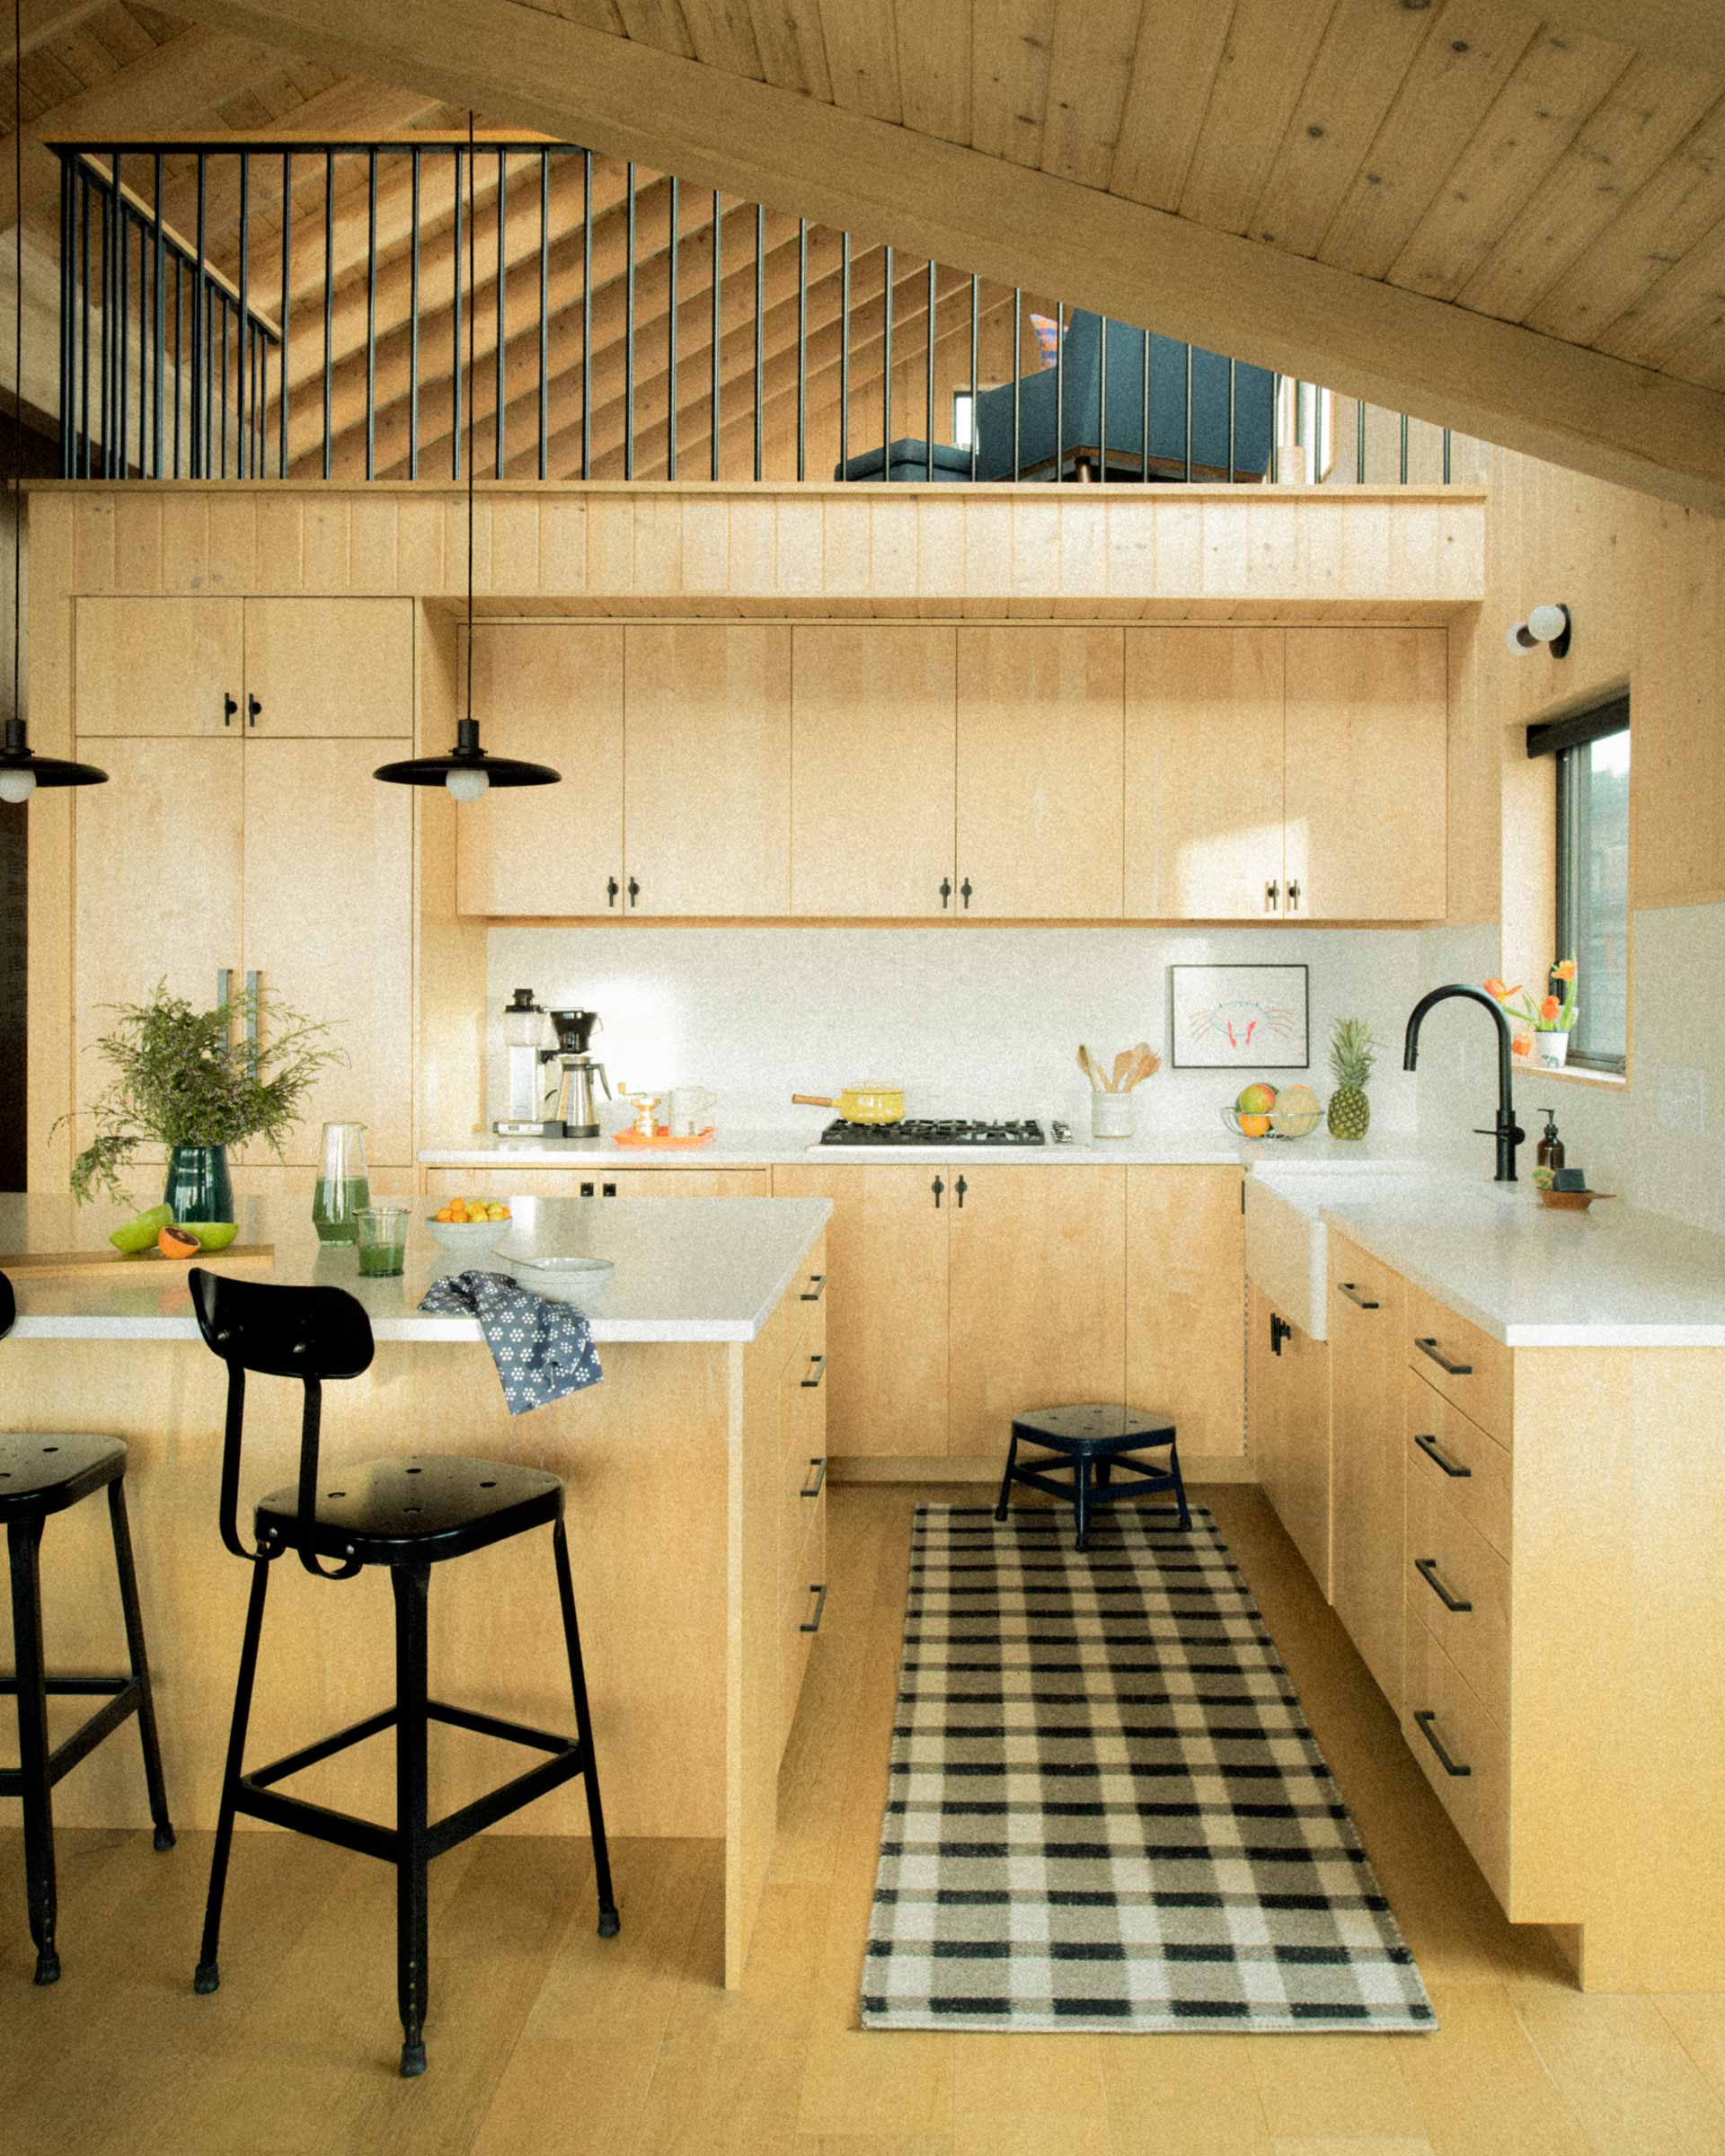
(468,1238)
(577,1281)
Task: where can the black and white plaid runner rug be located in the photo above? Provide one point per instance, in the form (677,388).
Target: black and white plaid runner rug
(1106,1811)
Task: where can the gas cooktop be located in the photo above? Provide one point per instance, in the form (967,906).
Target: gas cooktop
(917,1130)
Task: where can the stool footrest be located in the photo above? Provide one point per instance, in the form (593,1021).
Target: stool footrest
(308,1756)
(126,1693)
(491,1725)
(507,1798)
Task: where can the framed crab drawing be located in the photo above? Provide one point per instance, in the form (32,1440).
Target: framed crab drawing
(1238,1018)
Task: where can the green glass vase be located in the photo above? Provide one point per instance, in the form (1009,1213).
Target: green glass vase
(198,1185)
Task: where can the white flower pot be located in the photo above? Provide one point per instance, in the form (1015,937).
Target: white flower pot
(1551,1050)
(1112,1114)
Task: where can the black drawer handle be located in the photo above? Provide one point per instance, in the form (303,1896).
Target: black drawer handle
(812,1490)
(1427,1568)
(1425,1719)
(1449,1369)
(816,1288)
(1347,1287)
(586,1190)
(612,886)
(818,1364)
(820,1594)
(1427,1445)
(607,1189)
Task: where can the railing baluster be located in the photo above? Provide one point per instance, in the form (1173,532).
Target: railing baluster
(844,354)
(628,330)
(1189,415)
(83,326)
(454,366)
(242,428)
(329,299)
(760,316)
(146,309)
(123,338)
(226,309)
(545,307)
(975,343)
(670,324)
(1405,449)
(886,363)
(803,347)
(1232,389)
(586,313)
(1018,342)
(1359,441)
(413,317)
(1274,427)
(262,405)
(1101,405)
(1144,473)
(1446,456)
(499,452)
(371,314)
(1059,389)
(200,333)
(67,274)
(718,288)
(928,388)
(288,301)
(179,363)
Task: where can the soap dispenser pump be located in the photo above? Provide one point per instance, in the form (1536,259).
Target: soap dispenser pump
(1551,1146)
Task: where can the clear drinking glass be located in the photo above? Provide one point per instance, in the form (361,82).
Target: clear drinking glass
(342,1188)
(383,1239)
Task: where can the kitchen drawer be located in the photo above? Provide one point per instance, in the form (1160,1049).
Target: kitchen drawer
(1466,1366)
(1360,1279)
(802,1505)
(1457,1456)
(1450,1564)
(802,1607)
(1477,1799)
(811,1291)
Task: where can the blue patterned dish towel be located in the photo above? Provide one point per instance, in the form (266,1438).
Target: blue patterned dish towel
(543,1350)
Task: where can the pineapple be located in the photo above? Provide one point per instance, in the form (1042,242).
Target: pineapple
(1351,1058)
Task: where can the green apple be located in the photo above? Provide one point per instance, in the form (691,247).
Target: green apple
(139,1233)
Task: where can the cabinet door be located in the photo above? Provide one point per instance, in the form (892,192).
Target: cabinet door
(1185,1291)
(550,692)
(159,666)
(707,769)
(1038,1297)
(596,1182)
(873,725)
(1203,774)
(331,668)
(886,1304)
(329,927)
(1367,1316)
(142,919)
(1367,731)
(1287,1421)
(1040,773)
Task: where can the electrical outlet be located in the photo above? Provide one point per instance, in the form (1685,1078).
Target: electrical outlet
(1683,1099)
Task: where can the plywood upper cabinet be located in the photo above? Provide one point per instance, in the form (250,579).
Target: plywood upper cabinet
(1366,789)
(159,666)
(872,772)
(707,775)
(1203,774)
(550,692)
(1040,773)
(329,669)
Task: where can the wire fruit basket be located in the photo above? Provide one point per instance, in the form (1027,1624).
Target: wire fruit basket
(1272,1122)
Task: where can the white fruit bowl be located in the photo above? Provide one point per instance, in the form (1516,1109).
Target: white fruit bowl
(1284,1123)
(468,1238)
(577,1281)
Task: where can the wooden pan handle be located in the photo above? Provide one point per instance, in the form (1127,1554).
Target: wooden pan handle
(814,1101)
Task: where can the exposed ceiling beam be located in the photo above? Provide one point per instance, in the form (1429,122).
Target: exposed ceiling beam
(1398,348)
(1690,31)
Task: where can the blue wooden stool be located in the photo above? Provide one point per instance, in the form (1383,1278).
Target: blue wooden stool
(1092,1441)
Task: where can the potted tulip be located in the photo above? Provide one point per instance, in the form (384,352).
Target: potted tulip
(1543,1029)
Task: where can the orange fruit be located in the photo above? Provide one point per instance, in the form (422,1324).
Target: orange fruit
(174,1242)
(1254,1126)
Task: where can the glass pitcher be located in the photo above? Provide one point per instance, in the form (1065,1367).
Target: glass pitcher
(342,1187)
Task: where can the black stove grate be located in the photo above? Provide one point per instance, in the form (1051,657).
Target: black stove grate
(922,1130)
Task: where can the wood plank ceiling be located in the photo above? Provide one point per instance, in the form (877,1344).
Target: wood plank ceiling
(1469,199)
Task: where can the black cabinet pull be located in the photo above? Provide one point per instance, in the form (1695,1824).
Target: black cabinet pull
(964,893)
(946,892)
(1270,890)
(816,1288)
(960,1187)
(1427,1718)
(937,1187)
(818,1364)
(1427,1568)
(812,1488)
(1428,1445)
(1294,895)
(1347,1287)
(252,707)
(612,886)
(1449,1369)
(228,708)
(1280,1331)
(586,1190)
(607,1189)
(820,1594)
(634,892)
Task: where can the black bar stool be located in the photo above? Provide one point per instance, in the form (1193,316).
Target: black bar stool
(408,1515)
(41,1474)
(1092,1442)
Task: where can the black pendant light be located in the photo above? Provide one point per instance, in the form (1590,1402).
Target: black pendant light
(467,770)
(21,773)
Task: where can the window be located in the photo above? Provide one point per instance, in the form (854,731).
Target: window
(1592,910)
(962,413)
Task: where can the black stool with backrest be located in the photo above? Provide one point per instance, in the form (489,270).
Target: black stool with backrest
(1092,1443)
(39,1474)
(406,1514)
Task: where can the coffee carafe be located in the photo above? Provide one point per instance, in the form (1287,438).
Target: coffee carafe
(578,1108)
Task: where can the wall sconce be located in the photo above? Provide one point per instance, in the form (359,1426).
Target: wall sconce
(1543,625)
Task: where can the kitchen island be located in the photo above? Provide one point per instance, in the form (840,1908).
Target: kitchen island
(698,1558)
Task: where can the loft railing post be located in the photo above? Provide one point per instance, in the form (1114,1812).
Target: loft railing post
(1233,386)
(1446,456)
(670,337)
(242,426)
(122,328)
(1189,415)
(586,313)
(718,288)
(371,314)
(1144,453)
(844,354)
(803,347)
(288,302)
(226,309)
(329,299)
(1405,449)
(146,312)
(500,451)
(976,343)
(199,309)
(928,388)
(1359,441)
(629,328)
(886,364)
(1102,406)
(1059,390)
(415,175)
(454,366)
(178,362)
(1018,345)
(84,323)
(1275,428)
(68,273)
(545,307)
(760,314)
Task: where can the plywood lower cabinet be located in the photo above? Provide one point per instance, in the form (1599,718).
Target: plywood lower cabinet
(1287,1428)
(1367,1355)
(1185,1285)
(597,1182)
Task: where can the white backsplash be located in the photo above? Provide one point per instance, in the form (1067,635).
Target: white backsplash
(971,1022)
(1655,1141)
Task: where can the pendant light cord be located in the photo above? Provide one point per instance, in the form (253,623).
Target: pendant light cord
(473,308)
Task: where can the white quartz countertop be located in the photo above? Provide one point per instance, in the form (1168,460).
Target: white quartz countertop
(1613,1276)
(687,1268)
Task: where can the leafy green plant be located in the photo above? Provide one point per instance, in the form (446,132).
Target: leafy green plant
(190,1077)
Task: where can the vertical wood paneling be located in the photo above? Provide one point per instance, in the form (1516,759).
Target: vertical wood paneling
(987,548)
(419,546)
(282,535)
(371,544)
(515,545)
(706,546)
(659,543)
(92,542)
(892,545)
(844,547)
(233,542)
(801,538)
(1036,548)
(610,543)
(939,548)
(48,927)
(325,553)
(185,543)
(751,543)
(1084,546)
(138,544)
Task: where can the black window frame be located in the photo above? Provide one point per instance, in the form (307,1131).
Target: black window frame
(1568,741)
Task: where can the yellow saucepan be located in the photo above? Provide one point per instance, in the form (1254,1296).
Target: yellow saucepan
(870,1102)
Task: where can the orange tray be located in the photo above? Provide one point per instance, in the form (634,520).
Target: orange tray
(662,1137)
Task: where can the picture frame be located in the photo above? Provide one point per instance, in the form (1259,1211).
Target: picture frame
(1244,1017)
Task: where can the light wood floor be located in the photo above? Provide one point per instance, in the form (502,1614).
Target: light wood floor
(544,2037)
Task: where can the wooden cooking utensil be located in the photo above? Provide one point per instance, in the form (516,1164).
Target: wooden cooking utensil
(1146,1063)
(1088,1068)
(1123,1063)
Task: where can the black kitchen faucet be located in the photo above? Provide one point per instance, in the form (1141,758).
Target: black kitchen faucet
(1506,1132)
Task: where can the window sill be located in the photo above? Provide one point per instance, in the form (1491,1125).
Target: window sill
(1606,1081)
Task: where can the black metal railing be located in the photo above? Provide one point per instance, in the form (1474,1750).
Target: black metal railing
(585,290)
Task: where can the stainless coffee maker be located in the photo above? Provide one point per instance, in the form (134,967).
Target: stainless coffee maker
(577,1107)
(524,1034)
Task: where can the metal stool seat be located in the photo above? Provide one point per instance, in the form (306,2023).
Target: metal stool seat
(406,1515)
(41,1473)
(1092,1442)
